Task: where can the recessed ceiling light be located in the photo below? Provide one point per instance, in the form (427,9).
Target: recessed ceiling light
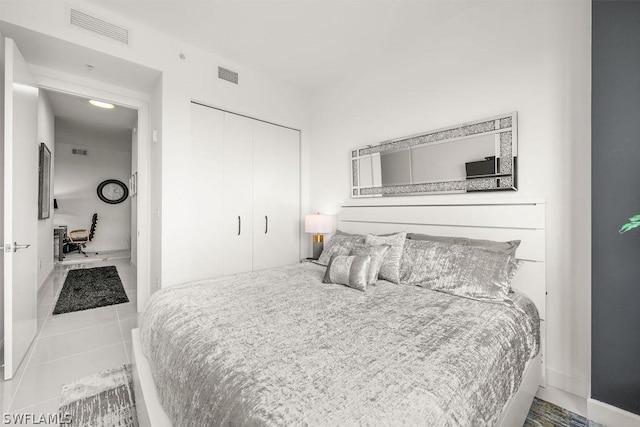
(101,104)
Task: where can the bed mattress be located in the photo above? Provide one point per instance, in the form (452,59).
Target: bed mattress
(279,347)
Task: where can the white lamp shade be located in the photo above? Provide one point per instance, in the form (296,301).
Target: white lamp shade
(318,224)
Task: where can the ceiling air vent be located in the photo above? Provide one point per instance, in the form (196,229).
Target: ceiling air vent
(99,26)
(79,152)
(228,75)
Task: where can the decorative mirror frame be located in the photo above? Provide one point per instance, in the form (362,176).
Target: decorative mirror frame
(504,126)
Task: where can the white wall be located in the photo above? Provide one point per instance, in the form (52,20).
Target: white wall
(495,57)
(76,179)
(194,78)
(46,134)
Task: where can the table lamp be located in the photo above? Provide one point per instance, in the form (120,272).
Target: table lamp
(318,225)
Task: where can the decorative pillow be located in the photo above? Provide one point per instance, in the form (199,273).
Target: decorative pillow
(340,243)
(376,253)
(467,271)
(444,239)
(348,270)
(506,247)
(390,269)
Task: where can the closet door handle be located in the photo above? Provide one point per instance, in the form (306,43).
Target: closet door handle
(239,225)
(266,224)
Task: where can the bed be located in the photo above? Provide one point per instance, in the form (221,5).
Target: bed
(279,347)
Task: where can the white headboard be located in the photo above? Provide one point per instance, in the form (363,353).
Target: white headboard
(500,220)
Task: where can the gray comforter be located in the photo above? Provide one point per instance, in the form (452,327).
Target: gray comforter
(279,347)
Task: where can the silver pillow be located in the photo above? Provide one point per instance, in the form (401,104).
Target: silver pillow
(506,247)
(479,273)
(444,239)
(390,269)
(509,248)
(376,253)
(347,270)
(341,244)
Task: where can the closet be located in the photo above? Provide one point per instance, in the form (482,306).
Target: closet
(245,193)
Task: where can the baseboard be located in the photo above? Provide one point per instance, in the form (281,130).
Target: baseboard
(563,399)
(572,384)
(609,415)
(46,278)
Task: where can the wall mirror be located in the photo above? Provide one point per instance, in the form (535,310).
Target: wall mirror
(475,156)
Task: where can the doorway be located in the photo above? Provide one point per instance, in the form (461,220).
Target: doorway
(104,84)
(93,180)
(139,144)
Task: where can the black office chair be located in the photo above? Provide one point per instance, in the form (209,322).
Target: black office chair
(80,238)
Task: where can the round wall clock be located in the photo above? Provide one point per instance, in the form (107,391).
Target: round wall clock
(112,191)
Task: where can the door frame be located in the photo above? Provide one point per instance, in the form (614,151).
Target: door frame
(139,102)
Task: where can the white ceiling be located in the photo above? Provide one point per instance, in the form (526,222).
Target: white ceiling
(110,127)
(49,52)
(308,43)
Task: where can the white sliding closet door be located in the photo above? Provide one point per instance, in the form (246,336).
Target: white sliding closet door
(237,194)
(265,199)
(207,143)
(288,221)
(245,194)
(276,196)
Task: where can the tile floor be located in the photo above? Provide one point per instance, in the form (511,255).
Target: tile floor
(75,257)
(72,345)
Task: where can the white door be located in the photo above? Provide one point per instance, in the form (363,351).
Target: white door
(207,140)
(276,195)
(237,198)
(266,205)
(20,208)
(287,240)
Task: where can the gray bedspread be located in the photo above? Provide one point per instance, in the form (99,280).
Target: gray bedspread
(279,347)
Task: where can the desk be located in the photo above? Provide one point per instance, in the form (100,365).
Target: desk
(59,236)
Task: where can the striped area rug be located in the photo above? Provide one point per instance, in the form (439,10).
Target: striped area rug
(545,414)
(102,400)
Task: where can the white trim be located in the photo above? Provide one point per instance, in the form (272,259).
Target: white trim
(49,79)
(608,415)
(46,278)
(569,383)
(563,399)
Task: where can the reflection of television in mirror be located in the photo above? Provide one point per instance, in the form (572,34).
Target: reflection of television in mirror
(489,166)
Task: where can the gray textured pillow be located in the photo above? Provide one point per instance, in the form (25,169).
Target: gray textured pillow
(468,271)
(390,269)
(506,247)
(444,239)
(341,244)
(347,270)
(376,253)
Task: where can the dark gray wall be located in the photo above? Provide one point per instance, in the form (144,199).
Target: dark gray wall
(615,365)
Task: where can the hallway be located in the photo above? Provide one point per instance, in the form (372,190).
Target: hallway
(72,345)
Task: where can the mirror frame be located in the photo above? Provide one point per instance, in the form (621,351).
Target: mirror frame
(504,126)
